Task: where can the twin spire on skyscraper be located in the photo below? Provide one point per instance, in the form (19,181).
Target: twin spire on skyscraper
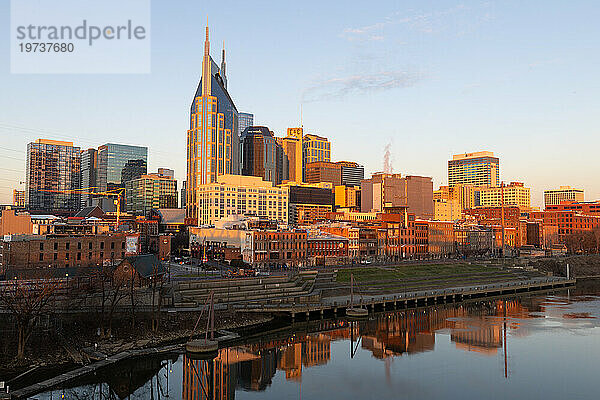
(206,66)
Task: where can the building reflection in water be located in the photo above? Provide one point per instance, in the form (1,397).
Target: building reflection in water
(474,327)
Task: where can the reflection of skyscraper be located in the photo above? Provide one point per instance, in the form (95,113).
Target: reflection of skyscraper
(257,374)
(208,379)
(317,350)
(291,361)
(212,140)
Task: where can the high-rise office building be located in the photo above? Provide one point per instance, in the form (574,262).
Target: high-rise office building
(53,170)
(150,192)
(212,141)
(245,120)
(316,148)
(183,195)
(391,192)
(564,193)
(321,171)
(352,173)
(119,163)
(262,155)
(477,169)
(514,194)
(292,147)
(89,170)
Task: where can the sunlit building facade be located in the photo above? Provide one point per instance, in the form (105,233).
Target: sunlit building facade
(477,169)
(242,195)
(212,140)
(515,194)
(53,171)
(564,193)
(315,148)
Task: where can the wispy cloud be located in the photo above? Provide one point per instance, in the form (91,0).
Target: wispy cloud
(427,22)
(339,88)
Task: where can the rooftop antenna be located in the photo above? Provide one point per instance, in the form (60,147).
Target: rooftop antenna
(301,126)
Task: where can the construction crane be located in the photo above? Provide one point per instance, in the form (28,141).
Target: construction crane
(117,193)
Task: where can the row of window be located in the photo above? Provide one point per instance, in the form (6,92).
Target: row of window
(78,256)
(79,245)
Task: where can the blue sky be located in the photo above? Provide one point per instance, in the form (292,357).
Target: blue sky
(433,78)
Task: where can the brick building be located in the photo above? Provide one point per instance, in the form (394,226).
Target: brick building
(279,248)
(327,249)
(45,251)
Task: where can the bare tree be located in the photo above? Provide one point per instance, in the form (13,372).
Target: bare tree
(157,285)
(27,301)
(112,290)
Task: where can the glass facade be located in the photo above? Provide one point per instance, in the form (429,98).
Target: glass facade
(245,120)
(89,168)
(53,169)
(118,163)
(213,142)
(262,155)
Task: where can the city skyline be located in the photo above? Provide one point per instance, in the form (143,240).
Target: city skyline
(498,101)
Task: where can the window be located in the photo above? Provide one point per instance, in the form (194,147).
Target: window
(102,245)
(41,246)
(122,245)
(90,255)
(78,256)
(55,246)
(66,256)
(78,245)
(90,245)
(112,245)
(56,256)
(67,245)
(41,256)
(101,254)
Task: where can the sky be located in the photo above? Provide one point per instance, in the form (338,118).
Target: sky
(429,78)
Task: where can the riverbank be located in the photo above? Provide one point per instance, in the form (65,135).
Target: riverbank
(54,352)
(584,266)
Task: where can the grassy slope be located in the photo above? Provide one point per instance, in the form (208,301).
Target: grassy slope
(368,274)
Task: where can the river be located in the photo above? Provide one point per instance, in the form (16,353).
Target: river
(545,346)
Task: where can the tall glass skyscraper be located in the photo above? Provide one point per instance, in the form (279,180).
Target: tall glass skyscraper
(245,120)
(213,143)
(119,163)
(89,169)
(262,155)
(53,170)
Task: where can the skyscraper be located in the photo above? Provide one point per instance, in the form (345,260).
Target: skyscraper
(292,147)
(262,155)
(245,120)
(352,173)
(53,169)
(119,163)
(212,141)
(478,169)
(316,148)
(89,170)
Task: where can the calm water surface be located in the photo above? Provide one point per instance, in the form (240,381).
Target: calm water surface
(539,347)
